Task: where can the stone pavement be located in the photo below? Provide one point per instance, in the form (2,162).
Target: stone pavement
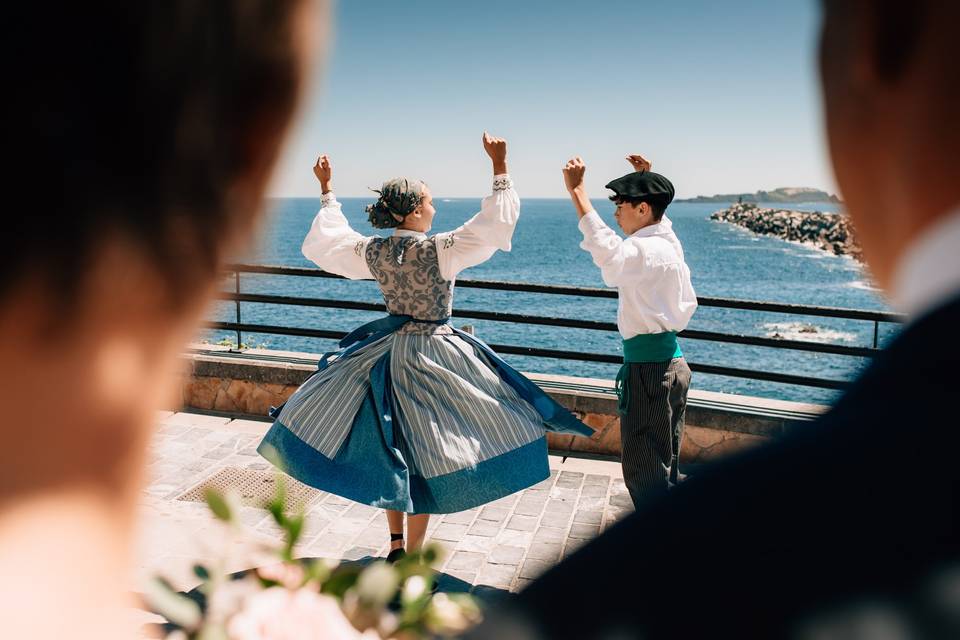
(500,546)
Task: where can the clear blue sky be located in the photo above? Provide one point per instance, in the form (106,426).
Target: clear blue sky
(723,97)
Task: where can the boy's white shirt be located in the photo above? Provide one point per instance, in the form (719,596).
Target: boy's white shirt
(334,246)
(648,270)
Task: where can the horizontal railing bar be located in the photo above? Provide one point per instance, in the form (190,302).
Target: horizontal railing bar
(768,376)
(802,309)
(309,272)
(596,292)
(499,316)
(780,343)
(326,303)
(276,330)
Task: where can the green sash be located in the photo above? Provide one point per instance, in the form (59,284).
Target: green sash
(644,347)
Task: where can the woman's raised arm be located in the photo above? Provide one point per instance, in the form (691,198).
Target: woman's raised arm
(476,240)
(331,243)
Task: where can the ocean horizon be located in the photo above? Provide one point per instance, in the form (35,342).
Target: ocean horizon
(725,261)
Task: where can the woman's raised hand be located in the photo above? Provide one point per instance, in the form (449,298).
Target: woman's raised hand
(324,172)
(496,148)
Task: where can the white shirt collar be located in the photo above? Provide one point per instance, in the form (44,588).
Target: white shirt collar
(664,226)
(409,233)
(928,273)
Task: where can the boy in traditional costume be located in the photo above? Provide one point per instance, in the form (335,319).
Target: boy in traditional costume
(656,301)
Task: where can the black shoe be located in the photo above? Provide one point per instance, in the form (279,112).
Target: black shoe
(395,555)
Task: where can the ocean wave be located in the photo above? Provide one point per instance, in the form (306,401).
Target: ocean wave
(863,284)
(806,332)
(813,251)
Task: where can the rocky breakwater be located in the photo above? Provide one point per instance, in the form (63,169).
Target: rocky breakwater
(828,231)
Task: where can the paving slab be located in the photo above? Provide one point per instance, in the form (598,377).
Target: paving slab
(491,550)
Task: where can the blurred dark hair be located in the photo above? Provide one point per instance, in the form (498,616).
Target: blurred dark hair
(897,30)
(137,118)
(657,207)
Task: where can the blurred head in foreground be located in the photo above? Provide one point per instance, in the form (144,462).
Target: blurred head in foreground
(891,87)
(141,137)
(889,564)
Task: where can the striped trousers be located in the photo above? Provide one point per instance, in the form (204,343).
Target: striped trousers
(652,428)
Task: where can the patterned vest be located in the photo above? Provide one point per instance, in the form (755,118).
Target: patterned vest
(408,272)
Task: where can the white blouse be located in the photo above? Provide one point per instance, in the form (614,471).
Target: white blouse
(334,246)
(649,272)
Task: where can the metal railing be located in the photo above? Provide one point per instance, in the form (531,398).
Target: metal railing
(877,317)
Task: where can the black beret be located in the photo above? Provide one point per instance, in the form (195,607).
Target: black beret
(643,184)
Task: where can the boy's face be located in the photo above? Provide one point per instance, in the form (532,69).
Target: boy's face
(632,217)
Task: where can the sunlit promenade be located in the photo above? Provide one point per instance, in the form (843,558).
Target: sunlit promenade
(494,549)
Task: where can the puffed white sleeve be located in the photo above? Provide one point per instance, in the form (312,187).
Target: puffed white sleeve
(477,239)
(333,245)
(620,260)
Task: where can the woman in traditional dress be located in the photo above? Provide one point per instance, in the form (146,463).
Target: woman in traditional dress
(412,415)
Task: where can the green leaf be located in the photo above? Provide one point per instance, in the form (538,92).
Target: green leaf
(218,505)
(276,510)
(272,455)
(277,505)
(316,570)
(342,579)
(180,610)
(213,632)
(430,554)
(294,528)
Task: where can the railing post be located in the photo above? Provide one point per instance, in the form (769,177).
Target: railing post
(876,332)
(239,334)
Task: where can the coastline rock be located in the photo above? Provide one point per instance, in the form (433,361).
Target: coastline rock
(831,232)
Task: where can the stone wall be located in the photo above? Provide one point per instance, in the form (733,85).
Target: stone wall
(716,424)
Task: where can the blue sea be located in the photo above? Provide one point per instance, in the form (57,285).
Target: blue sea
(726,261)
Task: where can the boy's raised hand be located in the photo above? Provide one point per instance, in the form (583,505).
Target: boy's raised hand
(573,173)
(324,172)
(639,163)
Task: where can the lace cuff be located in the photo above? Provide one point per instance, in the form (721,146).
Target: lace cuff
(328,199)
(502,182)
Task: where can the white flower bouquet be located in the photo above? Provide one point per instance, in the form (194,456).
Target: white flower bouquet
(292,598)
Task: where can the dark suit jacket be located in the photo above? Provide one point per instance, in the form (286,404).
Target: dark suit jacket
(850,521)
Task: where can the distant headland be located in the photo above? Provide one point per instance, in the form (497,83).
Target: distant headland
(783,194)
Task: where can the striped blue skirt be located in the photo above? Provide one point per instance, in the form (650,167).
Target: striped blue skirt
(417,418)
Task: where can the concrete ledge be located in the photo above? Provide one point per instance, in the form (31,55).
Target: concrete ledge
(708,409)
(717,424)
